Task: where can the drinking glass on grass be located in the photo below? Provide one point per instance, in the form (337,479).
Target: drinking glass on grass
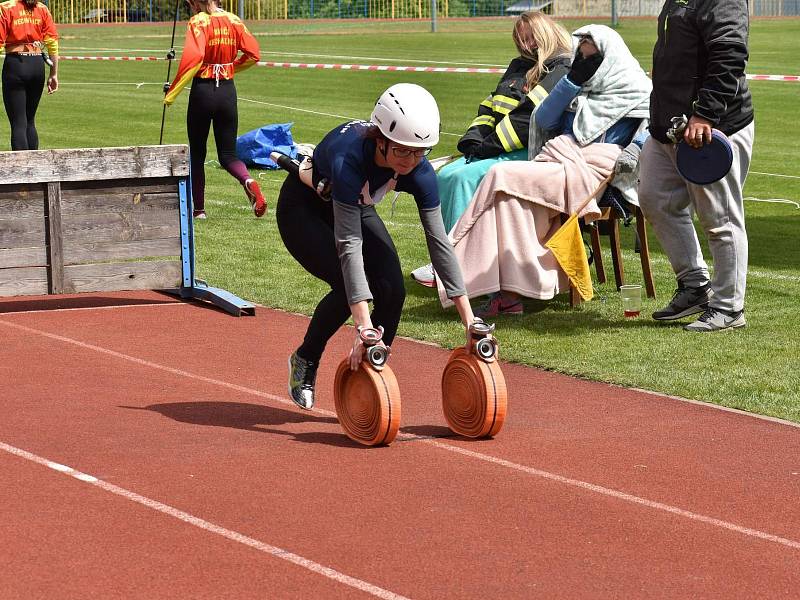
(631,300)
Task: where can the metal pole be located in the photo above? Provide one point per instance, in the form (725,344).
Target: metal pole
(170,58)
(433,16)
(241,9)
(614,16)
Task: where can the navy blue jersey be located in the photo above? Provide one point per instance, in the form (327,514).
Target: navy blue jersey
(347,159)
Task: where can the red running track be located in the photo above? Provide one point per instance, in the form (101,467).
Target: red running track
(147,449)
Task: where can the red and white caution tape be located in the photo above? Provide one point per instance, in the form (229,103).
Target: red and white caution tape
(344,67)
(131,58)
(774,77)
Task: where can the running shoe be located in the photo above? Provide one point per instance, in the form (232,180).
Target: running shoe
(255,197)
(686,301)
(497,306)
(424,276)
(199,214)
(302,376)
(716,319)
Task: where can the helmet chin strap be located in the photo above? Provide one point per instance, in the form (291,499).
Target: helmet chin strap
(385,150)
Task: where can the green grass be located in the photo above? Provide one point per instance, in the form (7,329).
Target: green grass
(754,369)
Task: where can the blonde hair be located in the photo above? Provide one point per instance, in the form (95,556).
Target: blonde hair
(539,38)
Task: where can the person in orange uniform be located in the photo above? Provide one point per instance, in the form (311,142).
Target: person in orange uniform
(29,36)
(210,58)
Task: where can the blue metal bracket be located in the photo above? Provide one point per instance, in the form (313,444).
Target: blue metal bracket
(196,288)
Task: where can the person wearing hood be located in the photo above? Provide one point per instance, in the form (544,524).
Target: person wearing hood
(590,126)
(499,132)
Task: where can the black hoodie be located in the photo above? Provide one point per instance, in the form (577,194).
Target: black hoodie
(698,65)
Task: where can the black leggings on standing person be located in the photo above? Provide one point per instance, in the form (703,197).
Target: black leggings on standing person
(211,103)
(305,222)
(23,82)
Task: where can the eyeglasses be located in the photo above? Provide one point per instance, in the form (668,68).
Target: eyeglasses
(401,152)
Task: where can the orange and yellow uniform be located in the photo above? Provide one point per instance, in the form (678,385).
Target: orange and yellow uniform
(213,42)
(22,27)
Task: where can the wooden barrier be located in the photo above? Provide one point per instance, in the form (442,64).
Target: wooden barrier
(88,220)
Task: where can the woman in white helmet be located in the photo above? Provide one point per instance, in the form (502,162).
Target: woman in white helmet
(338,237)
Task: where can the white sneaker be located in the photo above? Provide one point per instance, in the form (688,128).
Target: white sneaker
(424,276)
(714,319)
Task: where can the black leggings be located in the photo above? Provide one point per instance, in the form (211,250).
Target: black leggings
(305,222)
(211,104)
(23,82)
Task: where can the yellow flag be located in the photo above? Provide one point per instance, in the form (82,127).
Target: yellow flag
(567,247)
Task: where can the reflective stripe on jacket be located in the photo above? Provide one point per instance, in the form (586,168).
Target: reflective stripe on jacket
(503,118)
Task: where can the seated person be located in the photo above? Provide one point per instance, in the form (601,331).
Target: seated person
(500,130)
(594,112)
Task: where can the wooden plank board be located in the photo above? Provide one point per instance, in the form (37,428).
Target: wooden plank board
(85,164)
(24,281)
(23,232)
(118,227)
(115,200)
(54,239)
(107,251)
(154,185)
(23,257)
(108,277)
(21,201)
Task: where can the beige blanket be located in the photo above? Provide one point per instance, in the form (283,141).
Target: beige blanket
(499,240)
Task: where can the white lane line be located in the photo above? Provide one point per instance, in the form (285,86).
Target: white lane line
(774,174)
(598,489)
(147,363)
(314,112)
(774,200)
(234,536)
(116,306)
(591,487)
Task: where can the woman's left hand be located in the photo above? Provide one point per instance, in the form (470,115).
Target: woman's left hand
(52,84)
(356,352)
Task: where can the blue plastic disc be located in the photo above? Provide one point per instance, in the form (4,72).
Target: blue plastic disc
(707,164)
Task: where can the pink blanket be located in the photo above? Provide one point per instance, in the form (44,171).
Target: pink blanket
(499,240)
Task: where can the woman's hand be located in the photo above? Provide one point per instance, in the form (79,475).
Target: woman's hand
(467,316)
(52,84)
(356,352)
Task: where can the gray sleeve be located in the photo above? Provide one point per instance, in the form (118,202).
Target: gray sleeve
(441,252)
(347,233)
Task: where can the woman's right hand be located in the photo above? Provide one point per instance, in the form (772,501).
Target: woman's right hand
(52,84)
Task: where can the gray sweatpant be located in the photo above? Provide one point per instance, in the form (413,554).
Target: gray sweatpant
(667,201)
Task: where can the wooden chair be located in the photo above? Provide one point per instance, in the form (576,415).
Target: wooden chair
(613,216)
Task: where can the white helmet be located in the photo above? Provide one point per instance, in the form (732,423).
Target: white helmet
(407,114)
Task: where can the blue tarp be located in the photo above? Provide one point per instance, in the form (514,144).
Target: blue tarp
(254,146)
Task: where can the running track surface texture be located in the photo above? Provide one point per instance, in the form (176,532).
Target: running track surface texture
(148,450)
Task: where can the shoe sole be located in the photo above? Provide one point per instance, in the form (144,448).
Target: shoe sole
(425,282)
(501,313)
(693,310)
(289,387)
(716,329)
(259,206)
